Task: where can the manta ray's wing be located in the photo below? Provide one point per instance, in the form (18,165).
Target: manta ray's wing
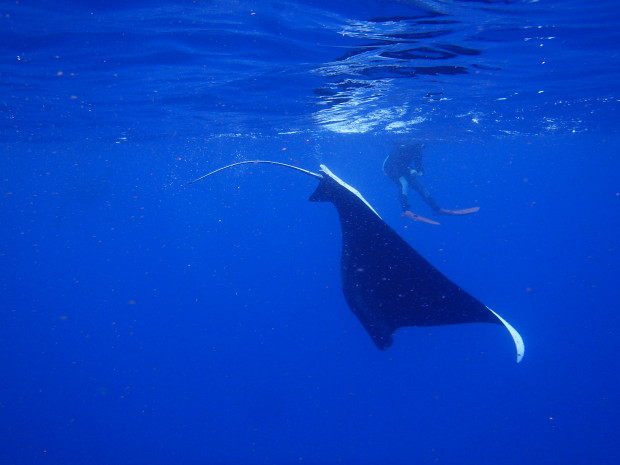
(388,284)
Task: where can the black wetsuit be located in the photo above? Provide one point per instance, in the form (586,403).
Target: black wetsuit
(397,167)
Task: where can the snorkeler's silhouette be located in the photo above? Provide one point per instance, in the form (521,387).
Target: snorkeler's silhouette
(398,167)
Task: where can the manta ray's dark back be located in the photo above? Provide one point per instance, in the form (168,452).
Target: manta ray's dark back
(386,283)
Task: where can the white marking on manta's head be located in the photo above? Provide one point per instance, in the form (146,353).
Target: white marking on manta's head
(352,189)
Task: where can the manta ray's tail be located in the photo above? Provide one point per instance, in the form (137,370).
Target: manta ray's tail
(255,162)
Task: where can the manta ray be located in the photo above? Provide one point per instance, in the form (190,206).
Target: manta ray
(386,283)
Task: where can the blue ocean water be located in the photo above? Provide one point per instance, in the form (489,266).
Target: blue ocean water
(148,321)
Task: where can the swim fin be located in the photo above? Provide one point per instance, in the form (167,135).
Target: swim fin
(414,217)
(463,211)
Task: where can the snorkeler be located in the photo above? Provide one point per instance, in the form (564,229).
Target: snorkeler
(397,167)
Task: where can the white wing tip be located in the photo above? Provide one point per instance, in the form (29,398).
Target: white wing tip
(516,337)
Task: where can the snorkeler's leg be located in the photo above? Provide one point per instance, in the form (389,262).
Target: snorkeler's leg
(402,194)
(425,194)
(437,210)
(404,203)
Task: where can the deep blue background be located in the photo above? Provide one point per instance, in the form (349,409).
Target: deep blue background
(147,321)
